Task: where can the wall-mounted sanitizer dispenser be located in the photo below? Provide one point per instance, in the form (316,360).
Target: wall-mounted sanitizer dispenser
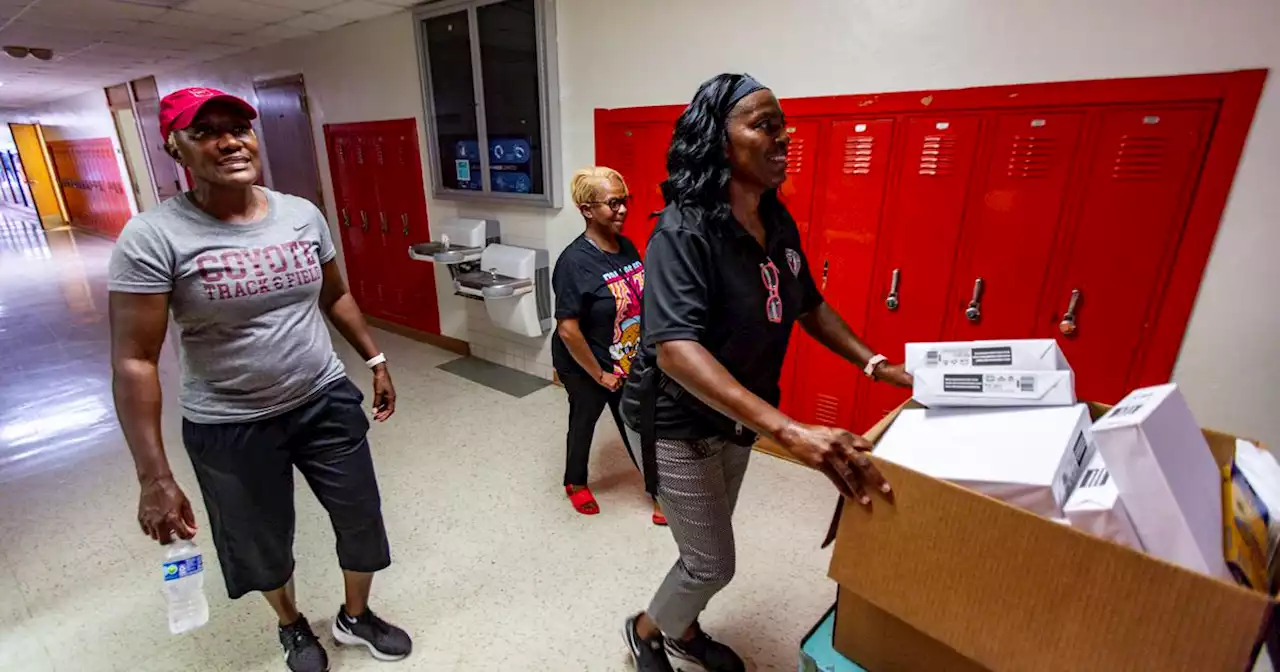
(515,285)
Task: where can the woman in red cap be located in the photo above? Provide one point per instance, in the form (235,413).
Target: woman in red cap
(249,275)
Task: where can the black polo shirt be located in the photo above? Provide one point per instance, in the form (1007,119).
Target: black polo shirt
(602,291)
(711,282)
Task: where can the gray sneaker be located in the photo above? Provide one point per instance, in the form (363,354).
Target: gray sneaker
(385,642)
(302,650)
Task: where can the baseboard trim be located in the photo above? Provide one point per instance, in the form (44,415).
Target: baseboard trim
(52,222)
(453,345)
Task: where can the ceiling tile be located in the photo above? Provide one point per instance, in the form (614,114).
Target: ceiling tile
(279,32)
(249,11)
(304,5)
(213,22)
(359,10)
(97,8)
(317,22)
(401,3)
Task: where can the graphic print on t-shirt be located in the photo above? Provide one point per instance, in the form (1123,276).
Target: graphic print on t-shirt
(627,286)
(241,272)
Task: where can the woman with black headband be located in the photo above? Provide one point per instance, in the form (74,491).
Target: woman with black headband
(726,281)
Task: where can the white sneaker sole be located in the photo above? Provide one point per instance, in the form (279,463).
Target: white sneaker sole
(683,664)
(347,639)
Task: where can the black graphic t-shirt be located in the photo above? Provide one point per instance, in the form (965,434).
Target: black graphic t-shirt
(602,290)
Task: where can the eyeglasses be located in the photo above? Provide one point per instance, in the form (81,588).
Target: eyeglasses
(773,306)
(615,204)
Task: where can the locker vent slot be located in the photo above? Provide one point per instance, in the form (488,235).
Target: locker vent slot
(857,154)
(627,154)
(542,290)
(1139,158)
(937,155)
(826,410)
(795,156)
(1031,156)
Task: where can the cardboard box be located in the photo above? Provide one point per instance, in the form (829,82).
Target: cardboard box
(1028,457)
(970,387)
(881,642)
(1095,506)
(1009,590)
(1167,477)
(1025,355)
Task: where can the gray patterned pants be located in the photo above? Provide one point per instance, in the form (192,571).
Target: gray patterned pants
(698,488)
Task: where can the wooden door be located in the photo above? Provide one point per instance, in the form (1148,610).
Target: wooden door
(285,118)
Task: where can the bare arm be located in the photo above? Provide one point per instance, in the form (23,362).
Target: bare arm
(691,365)
(340,306)
(138,324)
(828,328)
(570,331)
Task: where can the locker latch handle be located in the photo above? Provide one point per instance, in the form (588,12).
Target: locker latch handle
(364,221)
(974,311)
(404,219)
(383,217)
(346,218)
(891,301)
(1068,323)
(826,266)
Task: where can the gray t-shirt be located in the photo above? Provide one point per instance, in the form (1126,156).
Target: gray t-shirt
(245,298)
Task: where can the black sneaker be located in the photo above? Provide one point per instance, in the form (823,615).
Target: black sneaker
(302,650)
(706,653)
(385,641)
(647,653)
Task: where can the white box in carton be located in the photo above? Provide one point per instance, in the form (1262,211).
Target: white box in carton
(1095,506)
(1023,355)
(972,386)
(1028,457)
(1166,476)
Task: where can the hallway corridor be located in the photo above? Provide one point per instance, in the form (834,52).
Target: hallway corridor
(492,568)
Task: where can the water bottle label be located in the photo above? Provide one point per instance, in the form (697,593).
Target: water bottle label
(182,568)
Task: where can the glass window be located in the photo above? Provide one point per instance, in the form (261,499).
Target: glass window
(509,64)
(489,104)
(453,95)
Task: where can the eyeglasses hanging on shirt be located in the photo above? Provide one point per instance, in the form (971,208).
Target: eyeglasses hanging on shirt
(773,306)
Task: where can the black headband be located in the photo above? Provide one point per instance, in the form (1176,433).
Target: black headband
(746,86)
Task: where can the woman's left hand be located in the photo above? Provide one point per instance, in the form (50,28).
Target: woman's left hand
(384,395)
(894,374)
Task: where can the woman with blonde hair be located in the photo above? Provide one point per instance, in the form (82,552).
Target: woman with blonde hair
(598,281)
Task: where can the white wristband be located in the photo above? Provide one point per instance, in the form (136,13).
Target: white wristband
(872,363)
(375,360)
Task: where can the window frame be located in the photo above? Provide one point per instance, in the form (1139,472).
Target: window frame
(548,104)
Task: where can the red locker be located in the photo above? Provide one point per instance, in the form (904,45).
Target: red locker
(855,172)
(797,194)
(1118,253)
(1012,226)
(917,245)
(640,154)
(352,192)
(408,285)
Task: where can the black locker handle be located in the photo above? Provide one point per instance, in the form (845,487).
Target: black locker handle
(404,219)
(826,266)
(891,302)
(974,310)
(364,221)
(1068,323)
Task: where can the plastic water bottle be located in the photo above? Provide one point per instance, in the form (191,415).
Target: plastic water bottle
(184,586)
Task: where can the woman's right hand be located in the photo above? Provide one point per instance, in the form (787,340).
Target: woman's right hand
(609,381)
(839,454)
(164,511)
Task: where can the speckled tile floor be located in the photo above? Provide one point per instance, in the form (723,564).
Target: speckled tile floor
(493,570)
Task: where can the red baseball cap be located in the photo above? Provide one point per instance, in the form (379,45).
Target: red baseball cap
(179,109)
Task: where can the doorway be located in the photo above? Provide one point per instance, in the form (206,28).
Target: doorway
(135,153)
(38,166)
(164,171)
(286,130)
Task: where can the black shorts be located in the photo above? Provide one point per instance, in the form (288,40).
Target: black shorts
(245,472)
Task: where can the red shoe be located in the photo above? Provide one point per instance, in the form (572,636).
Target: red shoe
(583,501)
(659,519)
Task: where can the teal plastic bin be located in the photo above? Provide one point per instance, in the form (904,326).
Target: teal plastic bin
(816,652)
